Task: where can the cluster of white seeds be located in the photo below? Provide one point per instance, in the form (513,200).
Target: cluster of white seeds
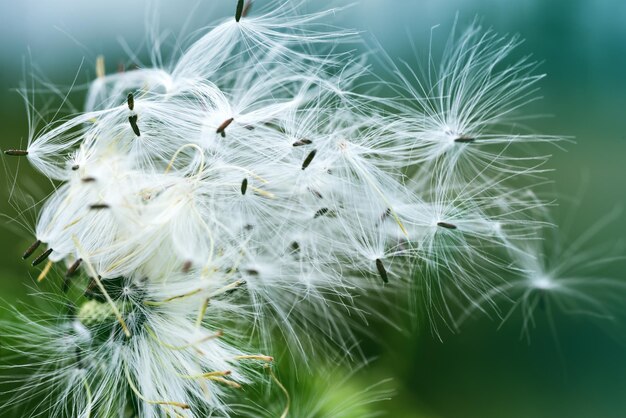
(248,187)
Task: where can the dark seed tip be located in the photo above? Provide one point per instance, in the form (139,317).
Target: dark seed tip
(302,142)
(381,270)
(133,124)
(244,186)
(30,250)
(446,225)
(98,206)
(16,152)
(42,257)
(239,11)
(72,269)
(464,139)
(131,101)
(321,212)
(308,159)
(222,128)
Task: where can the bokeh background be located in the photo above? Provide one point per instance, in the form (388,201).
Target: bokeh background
(575,369)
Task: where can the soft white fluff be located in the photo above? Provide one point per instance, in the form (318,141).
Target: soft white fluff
(244,187)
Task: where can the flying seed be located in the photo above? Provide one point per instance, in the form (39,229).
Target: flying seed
(88,179)
(446,225)
(239,11)
(30,250)
(98,206)
(302,142)
(42,257)
(131,101)
(247,8)
(75,167)
(308,159)
(187,266)
(244,186)
(381,270)
(464,139)
(133,124)
(220,130)
(16,152)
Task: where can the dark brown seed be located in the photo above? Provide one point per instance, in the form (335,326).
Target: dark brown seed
(133,124)
(30,250)
(321,212)
(42,257)
(446,225)
(69,274)
(308,159)
(131,101)
(75,167)
(72,269)
(464,139)
(16,152)
(381,270)
(98,206)
(88,179)
(244,186)
(302,142)
(239,11)
(252,272)
(220,130)
(187,266)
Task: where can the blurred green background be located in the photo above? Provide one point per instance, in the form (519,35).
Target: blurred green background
(575,370)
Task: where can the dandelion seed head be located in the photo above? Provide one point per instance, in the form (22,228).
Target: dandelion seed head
(244,190)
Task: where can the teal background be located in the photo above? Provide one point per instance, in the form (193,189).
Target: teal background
(577,369)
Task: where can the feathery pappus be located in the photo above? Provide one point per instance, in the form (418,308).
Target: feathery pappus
(248,187)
